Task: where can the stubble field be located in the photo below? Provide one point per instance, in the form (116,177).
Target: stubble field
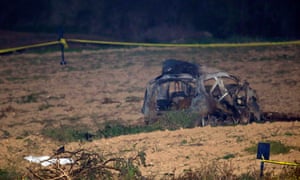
(97,86)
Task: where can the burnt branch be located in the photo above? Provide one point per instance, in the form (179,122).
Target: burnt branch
(88,164)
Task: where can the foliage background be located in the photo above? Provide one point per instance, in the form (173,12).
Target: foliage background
(156,20)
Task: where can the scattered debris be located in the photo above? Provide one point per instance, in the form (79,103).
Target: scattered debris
(276,116)
(47,160)
(81,164)
(217,97)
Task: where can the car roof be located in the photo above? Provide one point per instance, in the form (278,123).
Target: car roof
(173,66)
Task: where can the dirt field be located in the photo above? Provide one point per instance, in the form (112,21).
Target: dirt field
(97,86)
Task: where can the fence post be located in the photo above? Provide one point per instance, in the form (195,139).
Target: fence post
(62,47)
(263,153)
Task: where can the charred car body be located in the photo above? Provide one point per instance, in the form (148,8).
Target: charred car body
(216,97)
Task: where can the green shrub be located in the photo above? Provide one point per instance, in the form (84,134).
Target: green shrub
(66,133)
(288,133)
(116,129)
(228,156)
(276,147)
(216,170)
(173,120)
(7,174)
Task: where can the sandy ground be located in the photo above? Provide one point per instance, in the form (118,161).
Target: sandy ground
(104,85)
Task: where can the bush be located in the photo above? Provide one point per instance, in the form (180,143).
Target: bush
(276,147)
(66,134)
(9,174)
(116,129)
(173,120)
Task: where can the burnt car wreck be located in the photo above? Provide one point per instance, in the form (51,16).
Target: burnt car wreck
(216,97)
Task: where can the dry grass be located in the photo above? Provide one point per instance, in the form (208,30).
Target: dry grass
(107,85)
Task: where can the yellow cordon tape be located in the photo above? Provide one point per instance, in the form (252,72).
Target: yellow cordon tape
(63,42)
(281,163)
(28,46)
(185,45)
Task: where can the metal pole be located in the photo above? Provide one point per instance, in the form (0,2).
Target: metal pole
(62,48)
(262,169)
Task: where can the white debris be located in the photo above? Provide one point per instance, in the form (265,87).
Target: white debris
(46,161)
